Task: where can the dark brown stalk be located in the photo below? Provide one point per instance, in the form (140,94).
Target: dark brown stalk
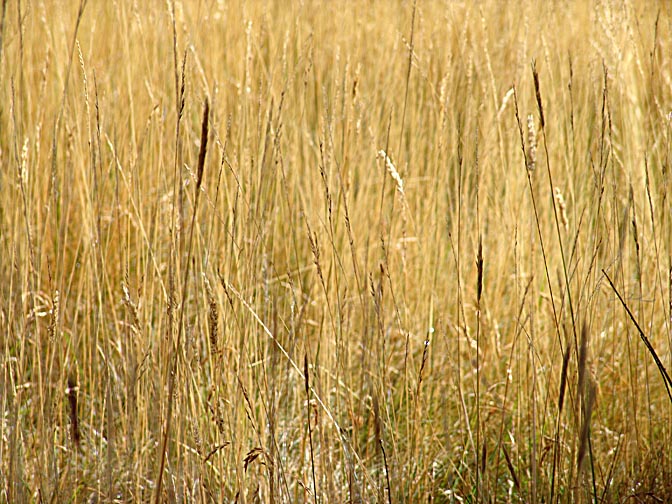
(667,381)
(561,400)
(204,144)
(387,472)
(563,379)
(556,317)
(537,92)
(425,353)
(173,368)
(310,429)
(479,266)
(479,291)
(540,106)
(512,470)
(71,392)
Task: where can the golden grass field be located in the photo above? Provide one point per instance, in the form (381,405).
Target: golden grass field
(415,252)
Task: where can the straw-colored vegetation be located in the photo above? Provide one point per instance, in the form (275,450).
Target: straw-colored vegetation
(424,255)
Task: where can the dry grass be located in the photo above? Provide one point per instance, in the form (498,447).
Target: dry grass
(426,255)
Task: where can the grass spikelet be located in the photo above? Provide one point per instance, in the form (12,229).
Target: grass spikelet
(425,352)
(393,171)
(213,315)
(505,102)
(55,316)
(132,308)
(531,152)
(562,206)
(23,171)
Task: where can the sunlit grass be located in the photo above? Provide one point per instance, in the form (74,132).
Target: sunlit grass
(388,201)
